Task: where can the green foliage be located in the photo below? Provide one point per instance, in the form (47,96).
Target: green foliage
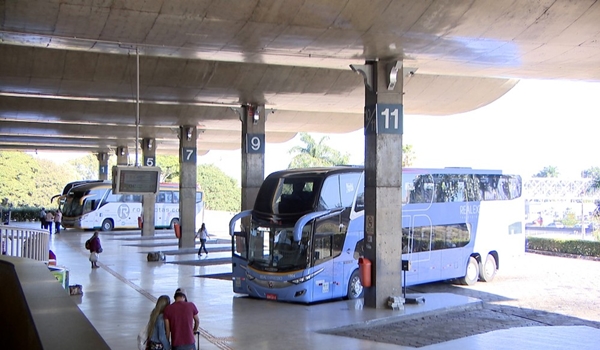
(549,171)
(591,173)
(573,246)
(169,168)
(221,192)
(315,154)
(570,220)
(87,167)
(26,181)
(26,213)
(408,155)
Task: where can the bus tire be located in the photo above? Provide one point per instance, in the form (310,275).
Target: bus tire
(107,225)
(355,288)
(471,273)
(487,269)
(173,222)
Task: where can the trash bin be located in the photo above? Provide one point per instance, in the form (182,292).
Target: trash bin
(140,222)
(177,229)
(364,269)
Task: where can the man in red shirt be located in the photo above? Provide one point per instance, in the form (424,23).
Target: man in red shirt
(181,322)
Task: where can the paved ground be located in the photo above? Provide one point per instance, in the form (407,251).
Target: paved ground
(536,290)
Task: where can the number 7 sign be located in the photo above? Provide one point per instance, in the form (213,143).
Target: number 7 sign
(188,154)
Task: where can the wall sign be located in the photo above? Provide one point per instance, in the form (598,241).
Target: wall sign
(255,143)
(384,118)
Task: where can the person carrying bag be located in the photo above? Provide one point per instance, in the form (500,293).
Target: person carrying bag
(95,247)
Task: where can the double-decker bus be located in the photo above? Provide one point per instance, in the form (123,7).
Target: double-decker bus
(63,195)
(94,206)
(302,240)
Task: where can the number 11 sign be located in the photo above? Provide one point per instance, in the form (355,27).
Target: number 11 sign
(384,119)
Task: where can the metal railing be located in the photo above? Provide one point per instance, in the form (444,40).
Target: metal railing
(24,242)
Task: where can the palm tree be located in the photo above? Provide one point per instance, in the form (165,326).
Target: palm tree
(314,154)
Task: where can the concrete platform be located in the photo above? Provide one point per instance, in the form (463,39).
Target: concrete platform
(119,296)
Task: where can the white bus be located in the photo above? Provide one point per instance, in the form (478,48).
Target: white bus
(93,206)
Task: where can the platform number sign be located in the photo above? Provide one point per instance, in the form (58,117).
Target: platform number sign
(188,154)
(255,143)
(384,119)
(149,161)
(103,170)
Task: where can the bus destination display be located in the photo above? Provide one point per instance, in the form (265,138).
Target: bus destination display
(136,180)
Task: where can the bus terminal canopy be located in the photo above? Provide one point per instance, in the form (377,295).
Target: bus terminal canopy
(68,70)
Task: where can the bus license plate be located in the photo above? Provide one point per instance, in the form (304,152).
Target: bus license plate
(271,296)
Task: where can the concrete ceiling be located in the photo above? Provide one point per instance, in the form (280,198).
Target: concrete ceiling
(68,67)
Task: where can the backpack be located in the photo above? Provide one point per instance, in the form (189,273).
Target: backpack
(88,244)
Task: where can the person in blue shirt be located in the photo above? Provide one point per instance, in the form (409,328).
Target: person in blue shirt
(157,337)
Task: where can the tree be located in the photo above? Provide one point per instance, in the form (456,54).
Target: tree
(591,173)
(549,171)
(87,167)
(169,168)
(26,181)
(315,154)
(221,192)
(408,155)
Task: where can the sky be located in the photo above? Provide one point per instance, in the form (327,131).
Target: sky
(538,123)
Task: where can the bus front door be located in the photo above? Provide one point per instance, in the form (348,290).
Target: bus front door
(326,248)
(239,262)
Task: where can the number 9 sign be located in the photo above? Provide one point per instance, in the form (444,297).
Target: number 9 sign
(255,143)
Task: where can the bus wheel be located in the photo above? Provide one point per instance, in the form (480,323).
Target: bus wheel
(107,225)
(472,273)
(173,222)
(487,270)
(355,288)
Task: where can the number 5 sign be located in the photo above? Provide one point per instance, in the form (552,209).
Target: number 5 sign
(384,119)
(255,143)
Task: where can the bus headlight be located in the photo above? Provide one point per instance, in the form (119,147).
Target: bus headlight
(306,278)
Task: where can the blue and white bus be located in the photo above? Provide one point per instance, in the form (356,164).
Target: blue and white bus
(303,239)
(93,206)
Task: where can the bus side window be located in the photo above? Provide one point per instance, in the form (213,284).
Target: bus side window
(176,197)
(161,197)
(359,249)
(330,194)
(168,197)
(323,248)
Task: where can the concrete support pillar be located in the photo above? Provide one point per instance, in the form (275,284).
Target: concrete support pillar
(122,153)
(383,179)
(149,200)
(102,165)
(253,152)
(187,185)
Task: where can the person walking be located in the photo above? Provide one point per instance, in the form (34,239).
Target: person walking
(95,247)
(49,220)
(157,335)
(43,219)
(181,322)
(203,234)
(57,221)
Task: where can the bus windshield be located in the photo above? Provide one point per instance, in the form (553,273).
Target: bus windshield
(82,202)
(273,248)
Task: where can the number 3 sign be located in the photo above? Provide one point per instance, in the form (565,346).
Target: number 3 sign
(255,143)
